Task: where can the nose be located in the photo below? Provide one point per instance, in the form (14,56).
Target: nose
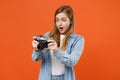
(60,23)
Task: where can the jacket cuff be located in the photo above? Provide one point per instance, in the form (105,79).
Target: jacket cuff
(59,54)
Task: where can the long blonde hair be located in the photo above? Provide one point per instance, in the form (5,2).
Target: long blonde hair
(55,34)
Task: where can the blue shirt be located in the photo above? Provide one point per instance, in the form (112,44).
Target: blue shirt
(69,57)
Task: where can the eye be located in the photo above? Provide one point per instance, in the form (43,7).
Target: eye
(64,20)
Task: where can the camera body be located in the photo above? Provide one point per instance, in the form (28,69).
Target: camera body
(42,42)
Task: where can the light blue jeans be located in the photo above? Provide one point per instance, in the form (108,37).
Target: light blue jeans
(57,77)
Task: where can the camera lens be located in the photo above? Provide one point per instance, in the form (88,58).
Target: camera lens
(42,42)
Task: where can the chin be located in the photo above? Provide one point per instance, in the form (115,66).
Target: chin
(61,32)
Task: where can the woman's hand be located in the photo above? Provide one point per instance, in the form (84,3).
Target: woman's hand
(52,45)
(35,44)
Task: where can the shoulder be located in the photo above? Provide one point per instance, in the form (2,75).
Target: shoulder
(77,40)
(78,36)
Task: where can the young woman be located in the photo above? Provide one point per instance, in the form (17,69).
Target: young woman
(64,49)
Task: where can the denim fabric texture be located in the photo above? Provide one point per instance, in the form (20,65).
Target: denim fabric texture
(69,57)
(57,77)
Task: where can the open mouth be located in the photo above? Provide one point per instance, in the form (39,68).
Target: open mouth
(61,28)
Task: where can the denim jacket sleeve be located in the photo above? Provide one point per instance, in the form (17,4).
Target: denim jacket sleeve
(72,58)
(37,56)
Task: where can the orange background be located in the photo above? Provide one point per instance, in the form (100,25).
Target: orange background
(97,20)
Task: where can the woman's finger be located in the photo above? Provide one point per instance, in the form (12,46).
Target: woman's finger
(50,40)
(50,44)
(34,37)
(34,41)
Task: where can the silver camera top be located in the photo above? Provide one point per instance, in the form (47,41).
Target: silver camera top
(41,37)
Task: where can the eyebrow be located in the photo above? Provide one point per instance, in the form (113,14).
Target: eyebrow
(61,18)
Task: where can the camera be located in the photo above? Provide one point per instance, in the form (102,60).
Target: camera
(42,42)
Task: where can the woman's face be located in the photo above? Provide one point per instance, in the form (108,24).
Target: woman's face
(62,22)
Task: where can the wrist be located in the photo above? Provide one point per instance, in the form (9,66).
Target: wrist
(36,49)
(55,50)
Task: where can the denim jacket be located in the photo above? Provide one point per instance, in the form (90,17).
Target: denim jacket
(69,57)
